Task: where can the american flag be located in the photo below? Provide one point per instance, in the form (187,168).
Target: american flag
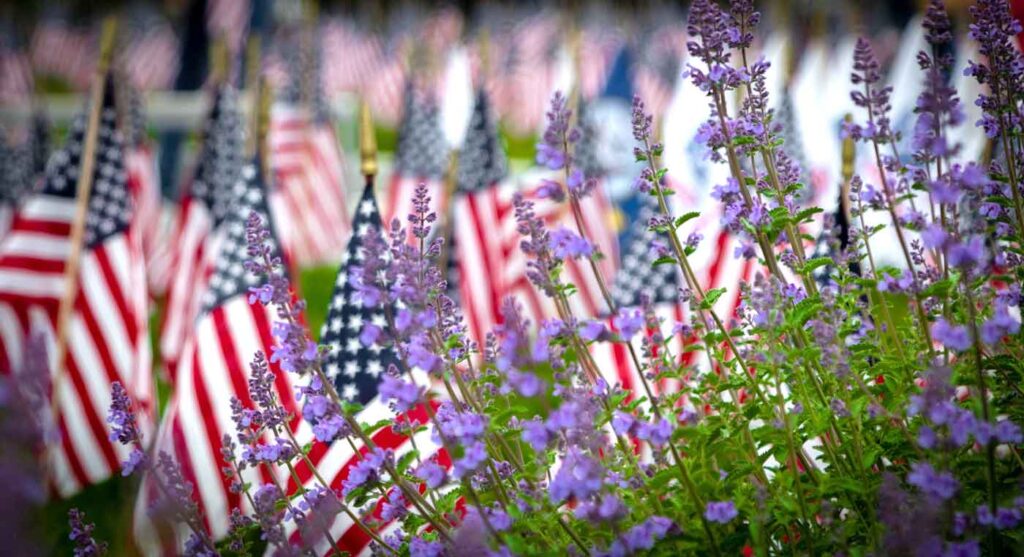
(150,53)
(15,176)
(144,184)
(214,367)
(475,249)
(204,205)
(421,156)
(107,335)
(309,172)
(18,82)
(64,51)
(356,371)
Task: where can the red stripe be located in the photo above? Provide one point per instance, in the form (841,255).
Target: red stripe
(96,424)
(98,341)
(39,226)
(72,455)
(118,295)
(212,429)
(35,264)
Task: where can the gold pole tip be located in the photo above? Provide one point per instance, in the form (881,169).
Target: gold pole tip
(367,141)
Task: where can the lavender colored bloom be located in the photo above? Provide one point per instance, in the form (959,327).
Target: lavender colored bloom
(657,433)
(722,512)
(124,428)
(593,330)
(952,336)
(474,455)
(622,422)
(567,244)
(432,473)
(419,547)
(81,535)
(999,325)
(940,485)
(403,395)
(536,434)
(394,508)
(367,470)
(580,476)
(524,382)
(370,334)
(607,508)
(1008,432)
(628,322)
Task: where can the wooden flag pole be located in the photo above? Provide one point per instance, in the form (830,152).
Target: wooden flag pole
(82,191)
(367,145)
(849,156)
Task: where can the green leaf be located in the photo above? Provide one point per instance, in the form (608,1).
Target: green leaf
(816,262)
(663,260)
(403,462)
(711,296)
(687,217)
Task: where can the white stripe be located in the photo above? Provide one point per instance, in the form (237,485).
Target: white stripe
(11,335)
(97,292)
(209,490)
(48,208)
(31,284)
(36,245)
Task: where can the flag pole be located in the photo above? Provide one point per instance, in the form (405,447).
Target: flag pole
(367,145)
(82,191)
(849,156)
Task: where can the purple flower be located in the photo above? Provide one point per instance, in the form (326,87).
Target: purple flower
(580,476)
(566,244)
(432,473)
(999,325)
(536,434)
(722,512)
(628,322)
(657,434)
(968,254)
(593,330)
(940,485)
(264,294)
(81,534)
(952,336)
(395,506)
(402,394)
(622,422)
(370,335)
(525,383)
(608,508)
(1008,432)
(419,355)
(418,547)
(473,456)
(367,470)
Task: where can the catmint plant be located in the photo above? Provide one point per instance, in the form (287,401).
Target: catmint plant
(845,407)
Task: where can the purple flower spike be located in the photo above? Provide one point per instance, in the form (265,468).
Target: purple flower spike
(722,512)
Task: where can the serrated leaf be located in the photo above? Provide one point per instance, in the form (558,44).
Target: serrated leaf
(711,296)
(680,220)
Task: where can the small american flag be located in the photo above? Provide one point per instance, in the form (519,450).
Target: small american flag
(203,207)
(475,249)
(214,367)
(421,156)
(107,335)
(356,369)
(309,172)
